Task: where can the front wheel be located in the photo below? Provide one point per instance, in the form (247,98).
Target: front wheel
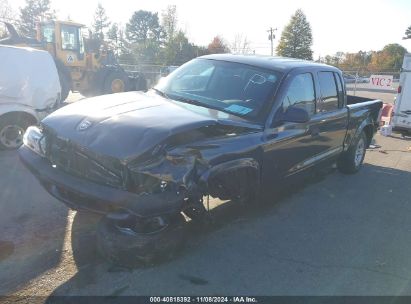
(351,160)
(130,242)
(12,128)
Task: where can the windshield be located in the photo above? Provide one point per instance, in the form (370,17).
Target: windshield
(231,87)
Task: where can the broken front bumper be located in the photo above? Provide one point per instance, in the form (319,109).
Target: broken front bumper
(78,193)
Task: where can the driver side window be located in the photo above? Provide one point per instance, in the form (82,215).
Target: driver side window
(301,93)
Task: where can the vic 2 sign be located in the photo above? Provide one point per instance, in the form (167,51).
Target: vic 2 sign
(381,81)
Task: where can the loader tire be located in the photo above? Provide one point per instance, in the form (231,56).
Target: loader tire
(139,249)
(115,82)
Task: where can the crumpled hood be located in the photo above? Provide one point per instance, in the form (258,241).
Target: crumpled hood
(124,125)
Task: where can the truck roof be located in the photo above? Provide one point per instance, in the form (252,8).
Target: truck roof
(283,64)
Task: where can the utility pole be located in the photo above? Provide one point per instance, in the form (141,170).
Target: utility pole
(271,37)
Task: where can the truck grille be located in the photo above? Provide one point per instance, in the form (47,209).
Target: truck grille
(77,161)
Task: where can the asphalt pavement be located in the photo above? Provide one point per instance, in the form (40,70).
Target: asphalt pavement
(332,235)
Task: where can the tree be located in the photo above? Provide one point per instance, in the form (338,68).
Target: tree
(144,26)
(388,59)
(408,33)
(296,39)
(179,50)
(240,45)
(113,36)
(218,46)
(169,21)
(34,11)
(7,14)
(101,22)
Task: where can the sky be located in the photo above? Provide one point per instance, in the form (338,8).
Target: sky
(337,25)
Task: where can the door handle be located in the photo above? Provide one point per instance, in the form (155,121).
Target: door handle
(271,136)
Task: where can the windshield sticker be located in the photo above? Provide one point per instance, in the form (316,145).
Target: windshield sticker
(271,78)
(238,109)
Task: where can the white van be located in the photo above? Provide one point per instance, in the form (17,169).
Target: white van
(29,90)
(401,120)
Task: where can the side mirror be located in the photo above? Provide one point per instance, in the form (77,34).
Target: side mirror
(294,114)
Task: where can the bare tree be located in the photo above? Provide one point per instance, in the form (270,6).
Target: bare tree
(169,21)
(240,45)
(6,12)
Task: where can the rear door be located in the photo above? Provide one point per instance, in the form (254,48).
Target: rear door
(329,125)
(402,108)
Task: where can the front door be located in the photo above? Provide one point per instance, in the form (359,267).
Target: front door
(289,146)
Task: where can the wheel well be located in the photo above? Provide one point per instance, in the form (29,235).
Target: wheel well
(20,116)
(233,183)
(368,130)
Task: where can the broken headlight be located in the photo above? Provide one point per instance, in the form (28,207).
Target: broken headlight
(35,140)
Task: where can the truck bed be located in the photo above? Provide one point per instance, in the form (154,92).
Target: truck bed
(362,110)
(351,99)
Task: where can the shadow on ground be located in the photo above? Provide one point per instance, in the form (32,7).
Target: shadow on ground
(339,235)
(32,226)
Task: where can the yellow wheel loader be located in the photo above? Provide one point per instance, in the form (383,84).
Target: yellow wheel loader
(84,65)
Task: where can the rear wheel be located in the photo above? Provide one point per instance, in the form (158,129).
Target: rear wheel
(12,128)
(351,161)
(115,82)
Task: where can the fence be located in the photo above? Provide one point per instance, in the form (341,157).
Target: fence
(358,83)
(151,72)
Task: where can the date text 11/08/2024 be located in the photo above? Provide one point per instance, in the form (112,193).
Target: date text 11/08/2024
(203,299)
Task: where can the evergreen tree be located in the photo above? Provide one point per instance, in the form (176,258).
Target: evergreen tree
(34,11)
(408,33)
(113,37)
(296,38)
(101,22)
(144,26)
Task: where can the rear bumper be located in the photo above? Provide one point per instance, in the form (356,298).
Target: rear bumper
(80,194)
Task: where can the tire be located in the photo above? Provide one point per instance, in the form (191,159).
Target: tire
(141,83)
(139,249)
(115,82)
(65,83)
(12,128)
(351,161)
(65,79)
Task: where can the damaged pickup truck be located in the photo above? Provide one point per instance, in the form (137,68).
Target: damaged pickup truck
(227,126)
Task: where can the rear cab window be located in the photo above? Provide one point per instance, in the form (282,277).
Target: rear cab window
(330,95)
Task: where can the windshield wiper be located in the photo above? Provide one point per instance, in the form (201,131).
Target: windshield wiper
(161,93)
(196,103)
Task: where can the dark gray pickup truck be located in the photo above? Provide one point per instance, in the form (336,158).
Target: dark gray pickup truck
(233,127)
